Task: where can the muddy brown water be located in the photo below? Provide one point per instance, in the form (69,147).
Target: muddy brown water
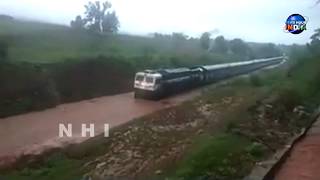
(35,132)
(304,160)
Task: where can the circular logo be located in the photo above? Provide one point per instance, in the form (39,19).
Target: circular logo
(296,24)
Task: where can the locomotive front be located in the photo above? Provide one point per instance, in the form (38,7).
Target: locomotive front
(147,84)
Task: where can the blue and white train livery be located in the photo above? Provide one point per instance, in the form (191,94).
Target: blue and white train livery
(155,84)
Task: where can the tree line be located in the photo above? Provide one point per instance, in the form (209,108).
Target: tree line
(237,47)
(314,45)
(220,45)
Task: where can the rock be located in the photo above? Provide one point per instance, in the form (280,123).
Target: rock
(162,157)
(86,177)
(100,165)
(200,131)
(194,124)
(269,106)
(158,172)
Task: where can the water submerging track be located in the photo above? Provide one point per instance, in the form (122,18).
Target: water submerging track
(35,132)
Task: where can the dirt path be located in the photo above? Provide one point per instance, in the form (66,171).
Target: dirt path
(304,161)
(34,132)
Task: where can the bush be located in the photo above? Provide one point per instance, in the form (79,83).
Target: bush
(256,150)
(216,157)
(88,78)
(3,50)
(27,87)
(255,80)
(289,98)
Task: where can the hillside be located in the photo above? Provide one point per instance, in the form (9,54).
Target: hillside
(42,43)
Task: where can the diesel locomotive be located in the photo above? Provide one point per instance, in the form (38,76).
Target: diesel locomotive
(155,84)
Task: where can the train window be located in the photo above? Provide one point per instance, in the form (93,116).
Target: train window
(139,78)
(149,79)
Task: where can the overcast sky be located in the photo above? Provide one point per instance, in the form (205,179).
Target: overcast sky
(251,20)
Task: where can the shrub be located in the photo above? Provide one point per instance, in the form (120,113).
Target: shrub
(25,87)
(87,78)
(256,150)
(28,87)
(3,50)
(255,80)
(289,97)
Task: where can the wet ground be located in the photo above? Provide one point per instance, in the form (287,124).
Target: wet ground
(304,160)
(35,132)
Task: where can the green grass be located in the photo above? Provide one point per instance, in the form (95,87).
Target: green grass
(57,167)
(223,157)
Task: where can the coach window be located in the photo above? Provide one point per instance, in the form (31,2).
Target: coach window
(139,78)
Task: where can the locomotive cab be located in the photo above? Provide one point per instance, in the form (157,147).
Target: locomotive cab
(147,83)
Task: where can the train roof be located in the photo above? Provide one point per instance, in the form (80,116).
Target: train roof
(164,72)
(225,65)
(173,71)
(168,72)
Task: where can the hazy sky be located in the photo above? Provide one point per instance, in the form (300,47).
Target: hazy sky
(251,20)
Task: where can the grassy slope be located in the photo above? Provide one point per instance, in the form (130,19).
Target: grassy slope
(41,42)
(299,87)
(56,167)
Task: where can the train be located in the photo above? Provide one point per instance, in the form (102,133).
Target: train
(159,83)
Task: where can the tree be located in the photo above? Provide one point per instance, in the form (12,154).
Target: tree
(205,40)
(94,15)
(110,23)
(179,36)
(160,36)
(314,46)
(316,35)
(178,39)
(239,47)
(78,23)
(3,50)
(272,50)
(220,45)
(98,18)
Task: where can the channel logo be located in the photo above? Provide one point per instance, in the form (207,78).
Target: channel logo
(296,24)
